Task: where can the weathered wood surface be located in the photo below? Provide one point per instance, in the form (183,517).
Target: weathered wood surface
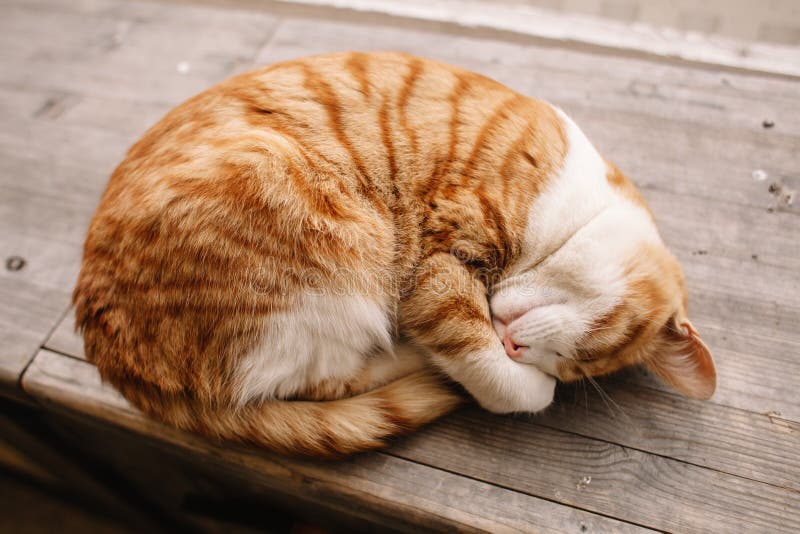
(382,487)
(611,479)
(80,81)
(65,340)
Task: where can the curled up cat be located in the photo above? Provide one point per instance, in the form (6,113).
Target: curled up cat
(304,256)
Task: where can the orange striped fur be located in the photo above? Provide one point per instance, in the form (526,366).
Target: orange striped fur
(261,253)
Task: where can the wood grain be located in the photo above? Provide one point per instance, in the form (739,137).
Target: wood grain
(380,487)
(127,49)
(65,340)
(631,414)
(607,478)
(26,316)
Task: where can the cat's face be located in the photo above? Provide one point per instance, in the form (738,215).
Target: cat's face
(607,297)
(600,303)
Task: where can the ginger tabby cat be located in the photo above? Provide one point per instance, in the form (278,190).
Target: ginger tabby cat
(272,260)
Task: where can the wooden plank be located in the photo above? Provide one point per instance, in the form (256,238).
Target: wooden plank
(26,316)
(410,495)
(65,340)
(48,197)
(128,49)
(714,161)
(44,230)
(745,384)
(614,480)
(632,413)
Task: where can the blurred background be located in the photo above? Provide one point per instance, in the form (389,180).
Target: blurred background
(769,21)
(743,33)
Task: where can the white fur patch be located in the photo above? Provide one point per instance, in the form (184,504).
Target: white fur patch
(499,384)
(322,337)
(579,235)
(569,200)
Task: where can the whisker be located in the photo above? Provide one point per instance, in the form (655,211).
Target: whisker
(600,328)
(612,401)
(604,396)
(585,396)
(596,386)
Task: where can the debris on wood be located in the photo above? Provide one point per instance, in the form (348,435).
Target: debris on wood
(781,425)
(783,196)
(768,123)
(183,67)
(700,252)
(759,175)
(755,257)
(583,483)
(15,263)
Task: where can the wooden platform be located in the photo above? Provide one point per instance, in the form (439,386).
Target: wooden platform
(80,81)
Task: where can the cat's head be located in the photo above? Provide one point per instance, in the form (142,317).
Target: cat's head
(605,293)
(597,305)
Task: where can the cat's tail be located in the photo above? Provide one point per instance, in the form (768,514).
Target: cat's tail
(324,429)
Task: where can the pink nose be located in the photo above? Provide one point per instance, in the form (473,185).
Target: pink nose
(512,349)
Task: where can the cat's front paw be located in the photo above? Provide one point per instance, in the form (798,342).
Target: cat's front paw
(525,389)
(500,384)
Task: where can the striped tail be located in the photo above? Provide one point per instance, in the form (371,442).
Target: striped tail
(322,429)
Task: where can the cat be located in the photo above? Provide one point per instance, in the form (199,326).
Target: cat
(303,256)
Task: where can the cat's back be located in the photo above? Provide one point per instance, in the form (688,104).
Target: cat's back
(219,216)
(249,193)
(368,121)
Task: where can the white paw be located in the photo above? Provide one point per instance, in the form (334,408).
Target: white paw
(500,384)
(526,389)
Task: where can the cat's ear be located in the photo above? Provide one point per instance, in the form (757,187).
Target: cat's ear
(683,361)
